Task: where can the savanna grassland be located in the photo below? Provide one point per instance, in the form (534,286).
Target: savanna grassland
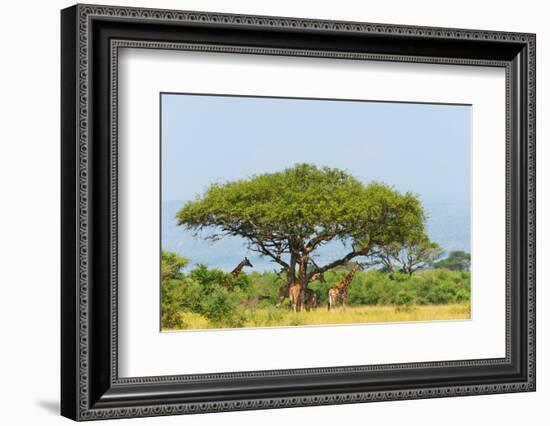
(207,298)
(388,269)
(276,317)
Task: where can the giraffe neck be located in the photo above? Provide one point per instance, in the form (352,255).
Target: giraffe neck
(313,277)
(303,271)
(235,272)
(347,279)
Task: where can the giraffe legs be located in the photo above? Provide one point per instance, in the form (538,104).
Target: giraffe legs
(283,294)
(331,300)
(310,300)
(295,294)
(334,297)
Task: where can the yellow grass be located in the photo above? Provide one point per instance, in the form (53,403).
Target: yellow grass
(273,317)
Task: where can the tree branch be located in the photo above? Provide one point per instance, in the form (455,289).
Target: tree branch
(345,259)
(263,250)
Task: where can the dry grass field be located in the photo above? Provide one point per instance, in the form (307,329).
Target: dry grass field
(273,317)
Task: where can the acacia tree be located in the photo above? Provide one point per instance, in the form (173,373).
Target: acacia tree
(418,254)
(409,256)
(286,216)
(387,257)
(455,261)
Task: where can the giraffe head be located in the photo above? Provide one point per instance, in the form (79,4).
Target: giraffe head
(245,262)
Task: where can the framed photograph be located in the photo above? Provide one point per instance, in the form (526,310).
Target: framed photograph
(263,212)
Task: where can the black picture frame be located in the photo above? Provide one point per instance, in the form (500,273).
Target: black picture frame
(90,386)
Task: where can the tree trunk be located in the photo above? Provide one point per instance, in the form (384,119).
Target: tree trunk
(303,280)
(291,273)
(392,266)
(303,271)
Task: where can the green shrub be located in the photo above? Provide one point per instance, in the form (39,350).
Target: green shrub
(209,279)
(172,265)
(172,304)
(226,301)
(403,298)
(220,306)
(375,287)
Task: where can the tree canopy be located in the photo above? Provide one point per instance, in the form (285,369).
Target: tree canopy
(416,253)
(287,215)
(455,261)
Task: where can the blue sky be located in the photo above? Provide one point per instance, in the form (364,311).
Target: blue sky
(424,148)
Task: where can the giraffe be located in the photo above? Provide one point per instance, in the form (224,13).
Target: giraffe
(295,296)
(340,290)
(310,294)
(228,282)
(245,262)
(283,294)
(296,290)
(310,299)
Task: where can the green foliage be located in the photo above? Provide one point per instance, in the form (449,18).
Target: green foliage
(209,293)
(173,296)
(287,215)
(220,306)
(263,290)
(455,261)
(173,300)
(425,287)
(417,252)
(216,294)
(209,279)
(172,265)
(403,298)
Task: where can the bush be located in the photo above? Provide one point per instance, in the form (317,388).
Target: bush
(225,301)
(440,286)
(220,306)
(263,287)
(209,279)
(173,299)
(403,298)
(172,265)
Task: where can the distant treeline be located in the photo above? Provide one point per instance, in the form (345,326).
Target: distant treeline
(226,300)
